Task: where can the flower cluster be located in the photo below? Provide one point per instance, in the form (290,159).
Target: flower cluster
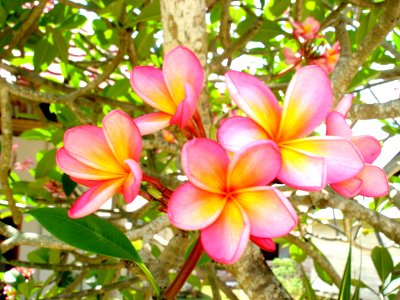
(310,46)
(228,195)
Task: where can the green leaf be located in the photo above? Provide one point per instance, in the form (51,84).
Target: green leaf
(40,256)
(68,185)
(149,12)
(297,253)
(46,164)
(36,134)
(44,55)
(309,291)
(345,286)
(61,45)
(143,42)
(3,16)
(322,273)
(89,233)
(383,262)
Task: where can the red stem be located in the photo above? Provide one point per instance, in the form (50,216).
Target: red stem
(199,124)
(184,273)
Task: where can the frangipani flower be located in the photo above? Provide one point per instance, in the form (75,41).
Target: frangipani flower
(307,30)
(174,90)
(104,159)
(292,58)
(308,163)
(371,181)
(227,198)
(329,59)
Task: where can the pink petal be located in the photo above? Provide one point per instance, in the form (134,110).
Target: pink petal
(76,169)
(269,212)
(375,182)
(336,125)
(181,67)
(348,188)
(88,145)
(264,243)
(255,99)
(344,104)
(342,159)
(186,108)
(369,147)
(254,165)
(308,101)
(122,135)
(191,208)
(226,239)
(302,170)
(205,163)
(84,182)
(95,197)
(237,132)
(131,186)
(153,122)
(149,84)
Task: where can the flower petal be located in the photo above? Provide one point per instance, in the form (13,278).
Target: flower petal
(369,147)
(375,182)
(84,182)
(122,135)
(149,84)
(181,67)
(186,108)
(348,188)
(191,208)
(205,163)
(343,161)
(308,101)
(236,132)
(255,99)
(344,104)
(302,170)
(336,125)
(226,239)
(95,197)
(88,145)
(264,243)
(254,165)
(269,212)
(76,169)
(153,122)
(131,186)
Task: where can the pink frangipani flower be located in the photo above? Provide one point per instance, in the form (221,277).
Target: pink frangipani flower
(307,30)
(292,58)
(371,181)
(308,163)
(329,59)
(174,90)
(104,159)
(228,200)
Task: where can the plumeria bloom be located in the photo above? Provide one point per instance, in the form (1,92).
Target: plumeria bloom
(104,159)
(307,30)
(228,200)
(329,59)
(308,163)
(24,165)
(371,181)
(292,58)
(174,90)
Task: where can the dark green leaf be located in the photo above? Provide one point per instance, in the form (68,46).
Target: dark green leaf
(383,262)
(61,45)
(144,41)
(89,233)
(149,12)
(68,184)
(345,286)
(46,164)
(44,55)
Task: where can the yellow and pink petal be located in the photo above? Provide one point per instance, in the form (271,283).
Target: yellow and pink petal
(307,102)
(255,99)
(153,122)
(131,186)
(186,108)
(191,208)
(256,164)
(269,212)
(226,239)
(96,196)
(205,163)
(264,243)
(237,132)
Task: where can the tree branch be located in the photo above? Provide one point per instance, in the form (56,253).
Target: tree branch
(385,110)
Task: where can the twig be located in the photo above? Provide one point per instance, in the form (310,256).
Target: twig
(385,110)
(212,280)
(224,27)
(6,151)
(367,3)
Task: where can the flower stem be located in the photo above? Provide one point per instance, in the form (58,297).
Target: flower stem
(199,124)
(184,273)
